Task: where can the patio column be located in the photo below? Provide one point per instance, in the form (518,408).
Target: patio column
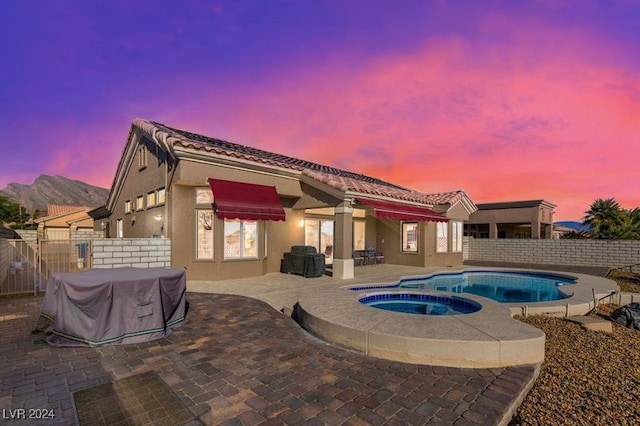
(535,229)
(343,246)
(493,230)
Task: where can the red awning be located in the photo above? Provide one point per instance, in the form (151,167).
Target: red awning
(402,211)
(246,201)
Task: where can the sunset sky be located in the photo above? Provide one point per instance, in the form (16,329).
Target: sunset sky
(508,100)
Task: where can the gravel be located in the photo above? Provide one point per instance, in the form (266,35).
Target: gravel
(587,378)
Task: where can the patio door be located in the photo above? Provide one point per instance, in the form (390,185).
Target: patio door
(319,234)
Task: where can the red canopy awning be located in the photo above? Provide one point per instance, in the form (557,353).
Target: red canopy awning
(246,201)
(401,211)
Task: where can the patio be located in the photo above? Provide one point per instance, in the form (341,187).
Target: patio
(238,361)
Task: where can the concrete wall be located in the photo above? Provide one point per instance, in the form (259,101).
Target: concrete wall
(139,252)
(612,254)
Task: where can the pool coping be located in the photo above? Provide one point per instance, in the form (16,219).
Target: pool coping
(488,338)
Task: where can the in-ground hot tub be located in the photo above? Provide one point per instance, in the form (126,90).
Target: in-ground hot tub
(420,303)
(486,338)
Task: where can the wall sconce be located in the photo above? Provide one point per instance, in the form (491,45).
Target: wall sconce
(158,218)
(301,223)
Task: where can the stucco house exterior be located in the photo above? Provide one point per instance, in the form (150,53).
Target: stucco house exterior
(512,219)
(232,211)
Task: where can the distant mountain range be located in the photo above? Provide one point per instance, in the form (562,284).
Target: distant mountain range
(55,190)
(576,226)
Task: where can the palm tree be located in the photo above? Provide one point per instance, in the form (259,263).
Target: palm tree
(629,227)
(604,216)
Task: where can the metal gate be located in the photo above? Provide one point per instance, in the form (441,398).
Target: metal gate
(25,266)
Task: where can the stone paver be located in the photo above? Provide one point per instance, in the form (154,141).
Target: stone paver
(239,361)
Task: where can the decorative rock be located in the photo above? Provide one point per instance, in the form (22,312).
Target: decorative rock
(592,323)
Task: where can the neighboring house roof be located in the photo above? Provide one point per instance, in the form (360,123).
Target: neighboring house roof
(340,179)
(61,211)
(515,205)
(56,209)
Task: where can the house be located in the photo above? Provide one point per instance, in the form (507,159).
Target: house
(61,221)
(231,210)
(512,219)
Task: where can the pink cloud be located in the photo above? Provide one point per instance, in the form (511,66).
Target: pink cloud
(505,125)
(542,113)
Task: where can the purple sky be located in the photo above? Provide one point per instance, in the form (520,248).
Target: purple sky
(509,100)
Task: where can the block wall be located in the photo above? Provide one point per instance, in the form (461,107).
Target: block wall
(612,254)
(135,252)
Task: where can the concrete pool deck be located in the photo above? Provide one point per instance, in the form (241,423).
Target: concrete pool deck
(488,338)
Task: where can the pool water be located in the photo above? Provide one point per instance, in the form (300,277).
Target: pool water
(506,287)
(421,304)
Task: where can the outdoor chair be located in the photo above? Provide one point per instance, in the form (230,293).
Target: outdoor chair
(373,257)
(359,257)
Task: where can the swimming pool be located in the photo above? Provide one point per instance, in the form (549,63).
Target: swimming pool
(421,304)
(505,287)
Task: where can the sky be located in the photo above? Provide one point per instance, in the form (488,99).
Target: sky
(508,100)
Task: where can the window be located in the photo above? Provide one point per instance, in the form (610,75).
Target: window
(358,235)
(119,228)
(204,234)
(240,239)
(139,202)
(456,236)
(319,233)
(442,240)
(127,206)
(151,199)
(162,195)
(142,157)
(410,237)
(204,196)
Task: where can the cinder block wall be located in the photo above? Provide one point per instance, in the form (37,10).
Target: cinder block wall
(136,252)
(85,236)
(612,254)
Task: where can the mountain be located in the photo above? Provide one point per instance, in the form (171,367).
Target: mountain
(55,190)
(576,226)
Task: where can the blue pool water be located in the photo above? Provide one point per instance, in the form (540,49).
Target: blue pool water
(506,287)
(421,304)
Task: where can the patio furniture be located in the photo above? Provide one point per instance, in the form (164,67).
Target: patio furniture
(378,257)
(359,257)
(303,260)
(113,306)
(367,257)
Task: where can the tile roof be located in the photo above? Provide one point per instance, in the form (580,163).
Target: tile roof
(56,209)
(190,140)
(343,180)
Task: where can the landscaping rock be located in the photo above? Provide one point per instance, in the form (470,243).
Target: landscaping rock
(628,315)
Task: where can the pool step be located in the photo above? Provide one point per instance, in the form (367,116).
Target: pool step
(592,323)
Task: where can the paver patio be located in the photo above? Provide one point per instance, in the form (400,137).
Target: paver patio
(239,361)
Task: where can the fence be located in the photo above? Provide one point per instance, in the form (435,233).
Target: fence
(25,265)
(18,267)
(605,253)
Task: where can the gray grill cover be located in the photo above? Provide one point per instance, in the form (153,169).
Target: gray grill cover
(113,306)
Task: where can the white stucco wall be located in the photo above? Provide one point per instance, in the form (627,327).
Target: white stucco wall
(135,252)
